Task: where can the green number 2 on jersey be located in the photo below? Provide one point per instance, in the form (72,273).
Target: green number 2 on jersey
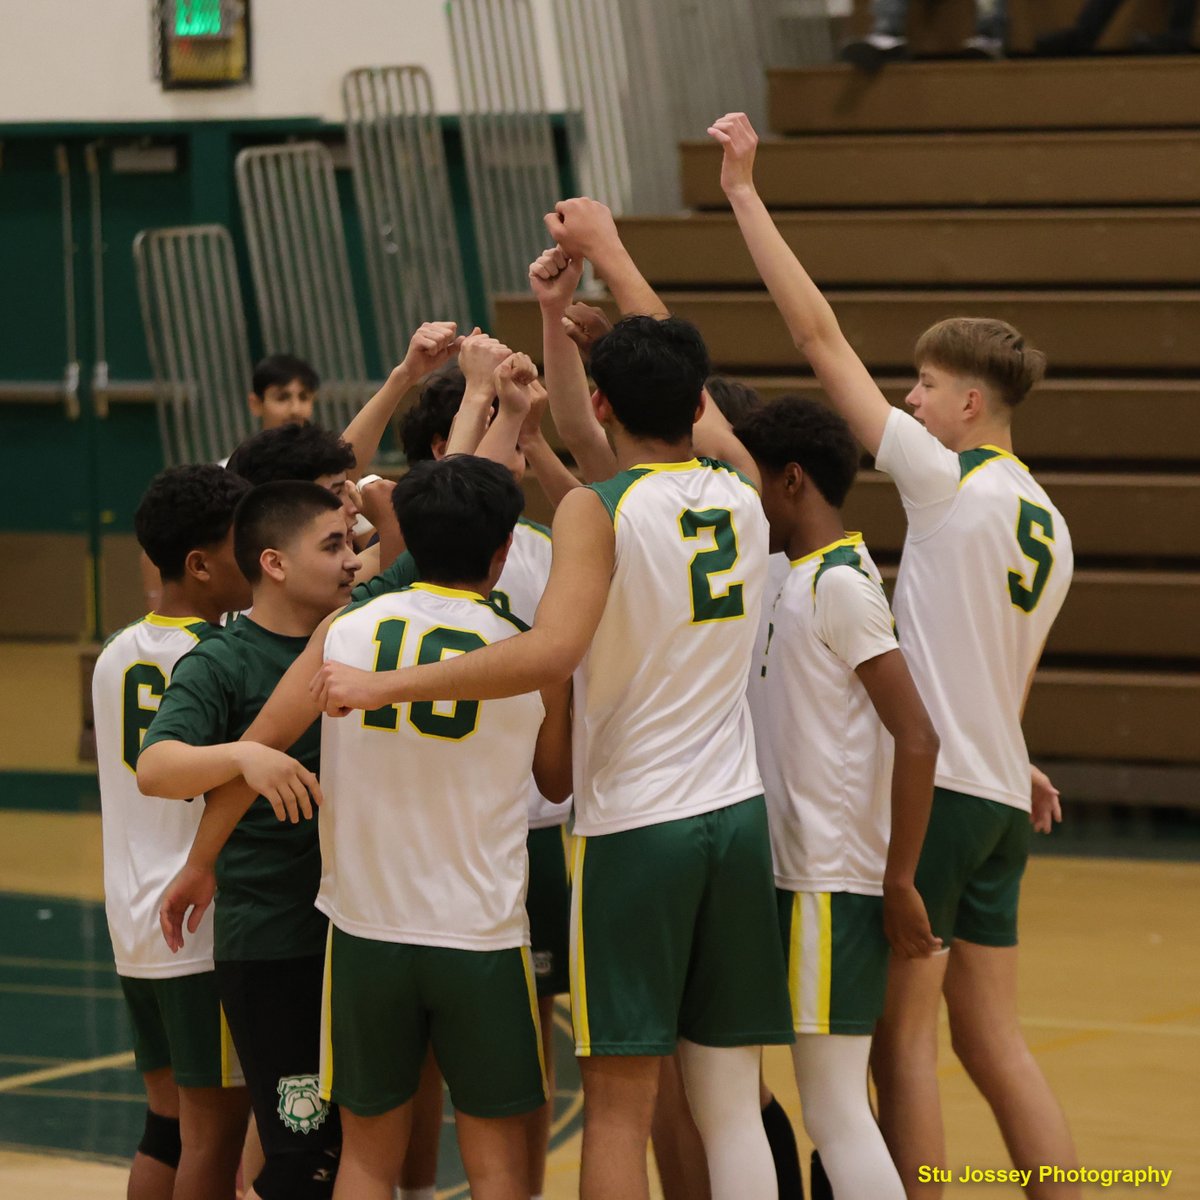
(1037,547)
(141,681)
(707,604)
(463,718)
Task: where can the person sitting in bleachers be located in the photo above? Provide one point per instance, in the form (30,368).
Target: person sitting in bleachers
(888,41)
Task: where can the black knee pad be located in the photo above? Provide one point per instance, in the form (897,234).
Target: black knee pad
(160,1140)
(305,1175)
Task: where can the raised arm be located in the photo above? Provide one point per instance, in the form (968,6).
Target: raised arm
(549,469)
(433,345)
(553,278)
(807,314)
(478,358)
(567,616)
(512,382)
(585,228)
(713,437)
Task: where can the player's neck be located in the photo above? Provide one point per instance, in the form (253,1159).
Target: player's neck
(994,433)
(632,452)
(177,601)
(815,529)
(277,612)
(477,587)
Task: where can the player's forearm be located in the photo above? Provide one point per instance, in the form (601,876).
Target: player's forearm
(551,472)
(713,437)
(500,440)
(224,807)
(805,311)
(471,420)
(912,797)
(628,285)
(365,431)
(177,771)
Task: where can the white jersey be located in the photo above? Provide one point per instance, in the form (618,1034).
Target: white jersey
(662,726)
(985,569)
(424,823)
(825,757)
(146,838)
(778,570)
(519,591)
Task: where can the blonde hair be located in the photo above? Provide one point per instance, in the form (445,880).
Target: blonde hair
(985,349)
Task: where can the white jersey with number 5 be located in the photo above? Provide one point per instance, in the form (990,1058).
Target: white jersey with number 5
(986,566)
(662,726)
(424,823)
(146,838)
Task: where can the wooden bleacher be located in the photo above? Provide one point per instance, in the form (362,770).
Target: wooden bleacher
(1065,198)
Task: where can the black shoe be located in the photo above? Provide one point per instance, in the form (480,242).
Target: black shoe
(1162,43)
(873,51)
(1062,43)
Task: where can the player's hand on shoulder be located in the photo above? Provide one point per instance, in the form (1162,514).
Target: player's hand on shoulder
(187,897)
(479,355)
(554,276)
(432,346)
(585,325)
(739,141)
(339,689)
(288,786)
(1047,806)
(906,923)
(582,227)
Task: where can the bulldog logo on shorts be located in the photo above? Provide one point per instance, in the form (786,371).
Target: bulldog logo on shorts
(301,1108)
(543,962)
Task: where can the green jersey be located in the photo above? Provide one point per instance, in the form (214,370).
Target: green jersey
(401,574)
(269,870)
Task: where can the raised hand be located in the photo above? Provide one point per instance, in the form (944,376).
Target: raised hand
(737,136)
(554,277)
(479,355)
(191,891)
(532,426)
(432,346)
(512,380)
(583,228)
(585,325)
(1047,809)
(289,787)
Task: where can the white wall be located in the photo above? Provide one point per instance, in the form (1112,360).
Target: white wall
(89,60)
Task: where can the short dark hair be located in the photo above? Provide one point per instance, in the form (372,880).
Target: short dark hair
(734,398)
(455,514)
(433,413)
(278,370)
(271,515)
(794,429)
(185,509)
(291,452)
(652,373)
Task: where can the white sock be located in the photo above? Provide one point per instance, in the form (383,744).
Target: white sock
(722,1091)
(831,1073)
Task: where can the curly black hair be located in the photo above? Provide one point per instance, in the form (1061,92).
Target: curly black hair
(433,413)
(794,429)
(734,398)
(186,509)
(304,452)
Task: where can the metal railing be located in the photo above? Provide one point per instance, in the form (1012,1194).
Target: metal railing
(507,139)
(301,269)
(405,207)
(196,337)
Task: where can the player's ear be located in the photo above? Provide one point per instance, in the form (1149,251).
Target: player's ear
(793,479)
(196,566)
(601,407)
(701,406)
(437,445)
(255,404)
(271,562)
(974,403)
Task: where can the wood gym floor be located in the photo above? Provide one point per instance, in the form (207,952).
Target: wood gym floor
(1110,993)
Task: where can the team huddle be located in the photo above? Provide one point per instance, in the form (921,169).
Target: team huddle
(674,756)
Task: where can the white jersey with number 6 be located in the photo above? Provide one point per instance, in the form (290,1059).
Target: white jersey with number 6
(662,727)
(146,838)
(986,566)
(424,822)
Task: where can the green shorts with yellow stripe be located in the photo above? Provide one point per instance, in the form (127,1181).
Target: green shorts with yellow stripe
(179,1023)
(548,903)
(385,1003)
(673,935)
(837,959)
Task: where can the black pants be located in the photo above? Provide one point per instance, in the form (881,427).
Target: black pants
(274,1014)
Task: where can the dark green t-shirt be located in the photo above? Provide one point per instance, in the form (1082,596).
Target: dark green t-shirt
(401,574)
(269,870)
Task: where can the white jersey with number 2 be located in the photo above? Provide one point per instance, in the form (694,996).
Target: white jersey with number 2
(986,566)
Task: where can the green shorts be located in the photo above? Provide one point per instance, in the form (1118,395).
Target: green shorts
(837,959)
(548,903)
(385,1002)
(179,1023)
(674,934)
(971,865)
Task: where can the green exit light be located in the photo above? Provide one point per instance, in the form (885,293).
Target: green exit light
(197,18)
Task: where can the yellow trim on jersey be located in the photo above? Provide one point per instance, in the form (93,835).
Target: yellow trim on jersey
(325,1070)
(522,523)
(851,539)
(436,589)
(1004,454)
(162,622)
(999,453)
(578,969)
(691,464)
(534,1015)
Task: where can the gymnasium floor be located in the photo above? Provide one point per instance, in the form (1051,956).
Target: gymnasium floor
(1110,991)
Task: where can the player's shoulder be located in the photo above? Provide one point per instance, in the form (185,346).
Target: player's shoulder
(533,528)
(174,635)
(844,561)
(720,467)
